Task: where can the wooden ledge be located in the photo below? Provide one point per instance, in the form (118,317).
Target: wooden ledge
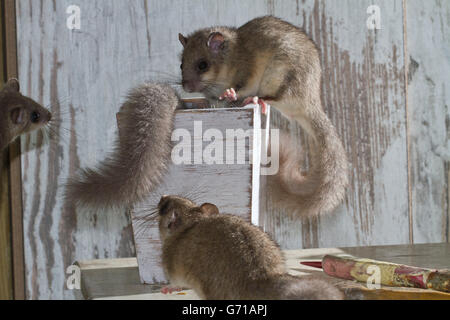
(119,278)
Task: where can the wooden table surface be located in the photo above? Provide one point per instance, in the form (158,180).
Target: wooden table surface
(119,278)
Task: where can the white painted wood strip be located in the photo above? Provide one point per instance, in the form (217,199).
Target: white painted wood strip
(226,184)
(256,149)
(108,263)
(428,29)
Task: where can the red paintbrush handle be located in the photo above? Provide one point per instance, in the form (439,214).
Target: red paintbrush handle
(314,264)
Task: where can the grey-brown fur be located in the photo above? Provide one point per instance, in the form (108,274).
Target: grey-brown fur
(273,59)
(222,256)
(141,155)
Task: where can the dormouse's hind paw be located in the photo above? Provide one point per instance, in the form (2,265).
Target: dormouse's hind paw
(229,94)
(256,100)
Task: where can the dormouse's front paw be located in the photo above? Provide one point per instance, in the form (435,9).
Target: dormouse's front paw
(170,290)
(229,94)
(256,100)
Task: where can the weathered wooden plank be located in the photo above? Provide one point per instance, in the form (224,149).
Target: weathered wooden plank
(14,160)
(117,279)
(84,75)
(6,274)
(219,170)
(6,285)
(363,94)
(428,43)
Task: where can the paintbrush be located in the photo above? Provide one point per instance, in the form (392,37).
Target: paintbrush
(386,273)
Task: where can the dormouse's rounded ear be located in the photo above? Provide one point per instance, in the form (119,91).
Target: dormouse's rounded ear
(183,39)
(209,209)
(18,115)
(13,84)
(215,42)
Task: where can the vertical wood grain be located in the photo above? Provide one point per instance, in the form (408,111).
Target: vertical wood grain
(83,76)
(407,121)
(363,94)
(14,160)
(6,274)
(428,29)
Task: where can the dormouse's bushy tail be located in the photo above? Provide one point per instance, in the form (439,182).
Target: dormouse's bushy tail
(306,288)
(141,155)
(323,188)
(289,287)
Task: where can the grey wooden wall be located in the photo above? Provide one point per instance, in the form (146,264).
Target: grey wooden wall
(387,91)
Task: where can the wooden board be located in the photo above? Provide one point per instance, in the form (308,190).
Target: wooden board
(363,94)
(101,271)
(123,43)
(15,170)
(428,28)
(6,270)
(83,75)
(117,279)
(6,275)
(231,182)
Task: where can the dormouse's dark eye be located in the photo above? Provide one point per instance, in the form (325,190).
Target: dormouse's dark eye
(35,116)
(202,65)
(181,66)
